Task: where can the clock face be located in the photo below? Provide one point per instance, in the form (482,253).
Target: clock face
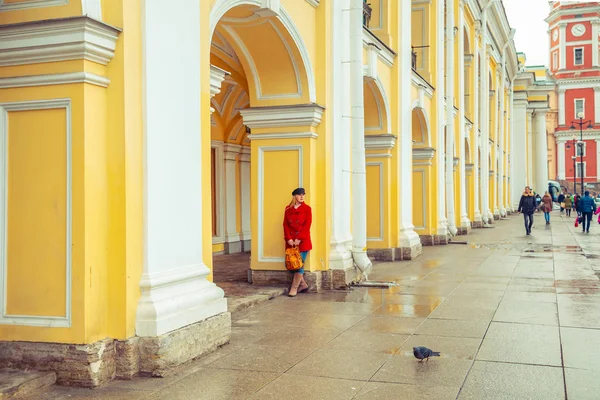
(555,35)
(578,29)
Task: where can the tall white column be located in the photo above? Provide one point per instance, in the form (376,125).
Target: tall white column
(541,153)
(597,104)
(485,136)
(595,24)
(530,149)
(450,139)
(510,188)
(440,201)
(407,237)
(497,145)
(519,146)
(340,255)
(232,236)
(245,185)
(501,135)
(174,289)
(464,218)
(476,126)
(562,49)
(562,167)
(561,106)
(597,158)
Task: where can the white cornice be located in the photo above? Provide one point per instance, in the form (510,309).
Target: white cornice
(386,55)
(54,79)
(579,83)
(314,3)
(217,76)
(423,153)
(282,116)
(293,135)
(23,5)
(380,142)
(57,40)
(419,82)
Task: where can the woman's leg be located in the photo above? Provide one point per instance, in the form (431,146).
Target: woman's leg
(303,287)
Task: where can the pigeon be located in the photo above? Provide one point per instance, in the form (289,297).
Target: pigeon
(423,352)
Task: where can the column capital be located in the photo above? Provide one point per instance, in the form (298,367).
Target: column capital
(561,90)
(245,153)
(596,89)
(595,22)
(282,116)
(217,76)
(231,151)
(562,25)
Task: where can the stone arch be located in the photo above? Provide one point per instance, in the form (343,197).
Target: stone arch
(243,22)
(420,128)
(377,115)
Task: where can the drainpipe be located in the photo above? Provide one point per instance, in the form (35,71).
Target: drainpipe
(359,176)
(450,118)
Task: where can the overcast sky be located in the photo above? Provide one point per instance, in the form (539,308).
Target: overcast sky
(531,38)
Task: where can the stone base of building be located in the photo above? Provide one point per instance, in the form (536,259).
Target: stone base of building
(434,240)
(409,253)
(464,230)
(496,217)
(317,280)
(246,245)
(94,364)
(395,254)
(388,254)
(476,224)
(233,247)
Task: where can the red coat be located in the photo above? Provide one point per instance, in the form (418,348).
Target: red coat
(296,225)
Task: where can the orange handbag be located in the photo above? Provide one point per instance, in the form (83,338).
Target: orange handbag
(293,260)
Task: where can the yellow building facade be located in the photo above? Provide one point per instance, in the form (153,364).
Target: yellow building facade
(140,140)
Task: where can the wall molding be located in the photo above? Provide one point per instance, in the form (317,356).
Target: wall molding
(23,5)
(292,135)
(314,3)
(28,320)
(54,40)
(379,164)
(54,79)
(261,194)
(282,116)
(219,190)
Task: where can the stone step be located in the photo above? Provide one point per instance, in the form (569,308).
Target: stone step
(24,385)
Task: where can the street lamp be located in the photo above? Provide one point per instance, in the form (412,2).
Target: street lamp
(574,158)
(580,123)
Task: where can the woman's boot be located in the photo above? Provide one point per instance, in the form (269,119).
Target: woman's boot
(295,283)
(303,285)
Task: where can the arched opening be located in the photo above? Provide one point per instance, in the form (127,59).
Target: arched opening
(245,41)
(422,157)
(377,119)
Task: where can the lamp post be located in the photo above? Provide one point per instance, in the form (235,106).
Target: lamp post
(580,144)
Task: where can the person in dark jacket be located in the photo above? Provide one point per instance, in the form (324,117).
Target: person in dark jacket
(587,207)
(527,206)
(561,200)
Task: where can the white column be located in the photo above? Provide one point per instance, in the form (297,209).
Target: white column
(232,236)
(174,289)
(510,188)
(450,139)
(440,155)
(562,49)
(595,24)
(246,234)
(340,255)
(519,154)
(501,135)
(407,237)
(476,129)
(562,167)
(597,158)
(485,135)
(464,218)
(530,151)
(541,153)
(561,106)
(597,104)
(497,144)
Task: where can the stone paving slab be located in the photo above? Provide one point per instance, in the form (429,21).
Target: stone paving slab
(514,317)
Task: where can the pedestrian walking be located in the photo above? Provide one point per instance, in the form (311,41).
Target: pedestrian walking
(561,201)
(527,206)
(547,206)
(568,204)
(587,207)
(296,232)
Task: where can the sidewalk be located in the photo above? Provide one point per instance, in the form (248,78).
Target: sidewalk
(513,316)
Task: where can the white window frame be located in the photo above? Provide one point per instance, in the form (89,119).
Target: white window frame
(577,164)
(555,60)
(576,116)
(582,56)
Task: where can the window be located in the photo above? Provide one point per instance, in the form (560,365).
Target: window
(555,60)
(580,170)
(578,56)
(579,108)
(580,149)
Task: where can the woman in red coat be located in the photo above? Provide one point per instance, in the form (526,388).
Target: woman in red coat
(296,232)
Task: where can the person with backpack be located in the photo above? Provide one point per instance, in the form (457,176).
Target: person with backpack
(587,207)
(527,206)
(296,233)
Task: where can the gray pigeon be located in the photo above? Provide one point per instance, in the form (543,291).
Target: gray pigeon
(423,352)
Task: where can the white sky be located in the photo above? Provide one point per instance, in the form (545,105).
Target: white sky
(531,38)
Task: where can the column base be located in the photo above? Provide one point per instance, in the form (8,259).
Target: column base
(503,212)
(94,364)
(464,230)
(435,240)
(409,253)
(233,247)
(246,245)
(477,224)
(386,254)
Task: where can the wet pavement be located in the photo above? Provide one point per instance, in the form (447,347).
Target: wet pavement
(514,317)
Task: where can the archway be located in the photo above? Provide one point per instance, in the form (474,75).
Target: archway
(246,38)
(423,154)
